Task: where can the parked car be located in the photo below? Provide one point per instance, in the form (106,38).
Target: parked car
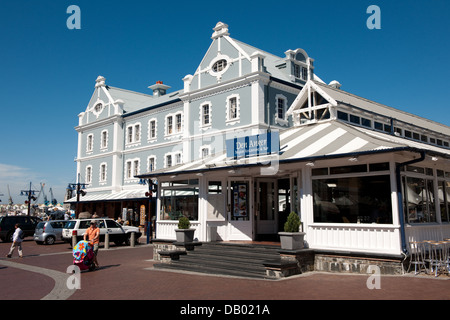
(117,233)
(49,231)
(7,223)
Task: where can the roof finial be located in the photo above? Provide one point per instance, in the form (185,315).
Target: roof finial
(100,82)
(221,29)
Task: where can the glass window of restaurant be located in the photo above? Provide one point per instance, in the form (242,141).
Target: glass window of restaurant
(352,194)
(444,194)
(179,198)
(419,198)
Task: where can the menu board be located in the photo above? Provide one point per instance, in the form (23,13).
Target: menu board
(240,201)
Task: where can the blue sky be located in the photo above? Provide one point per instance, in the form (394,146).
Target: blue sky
(48,72)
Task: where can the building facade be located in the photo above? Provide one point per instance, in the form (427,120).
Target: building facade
(252,137)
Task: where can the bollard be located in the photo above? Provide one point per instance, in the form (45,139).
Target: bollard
(106,240)
(133,239)
(74,240)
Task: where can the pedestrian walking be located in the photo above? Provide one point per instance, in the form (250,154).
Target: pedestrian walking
(17,242)
(93,236)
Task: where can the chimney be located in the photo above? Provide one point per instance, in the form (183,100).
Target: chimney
(159,89)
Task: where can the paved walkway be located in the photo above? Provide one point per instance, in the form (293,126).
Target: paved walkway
(127,274)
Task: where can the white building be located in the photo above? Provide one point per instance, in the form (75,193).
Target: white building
(253,136)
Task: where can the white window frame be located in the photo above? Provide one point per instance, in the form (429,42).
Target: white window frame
(281,121)
(151,137)
(149,162)
(88,174)
(202,155)
(133,134)
(103,175)
(176,158)
(104,139)
(132,169)
(128,169)
(229,120)
(137,132)
(204,125)
(90,142)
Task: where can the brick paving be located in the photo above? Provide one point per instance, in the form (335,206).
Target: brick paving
(127,274)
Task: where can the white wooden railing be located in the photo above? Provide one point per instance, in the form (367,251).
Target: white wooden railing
(165,229)
(367,238)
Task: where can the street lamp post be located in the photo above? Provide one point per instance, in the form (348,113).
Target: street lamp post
(30,194)
(152,187)
(79,187)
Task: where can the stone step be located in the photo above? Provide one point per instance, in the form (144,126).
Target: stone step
(225,259)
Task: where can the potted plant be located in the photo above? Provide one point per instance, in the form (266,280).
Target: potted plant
(292,238)
(184,233)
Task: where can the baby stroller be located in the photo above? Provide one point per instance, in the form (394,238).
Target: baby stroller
(83,256)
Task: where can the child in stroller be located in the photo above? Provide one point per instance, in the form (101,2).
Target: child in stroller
(83,255)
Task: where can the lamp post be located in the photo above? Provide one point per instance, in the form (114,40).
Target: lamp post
(30,194)
(152,187)
(79,187)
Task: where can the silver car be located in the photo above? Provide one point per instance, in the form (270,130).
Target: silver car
(49,231)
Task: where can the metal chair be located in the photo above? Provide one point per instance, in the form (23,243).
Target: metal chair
(438,256)
(418,253)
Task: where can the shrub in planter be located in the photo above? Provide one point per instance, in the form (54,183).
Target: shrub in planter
(293,223)
(184,223)
(292,238)
(184,233)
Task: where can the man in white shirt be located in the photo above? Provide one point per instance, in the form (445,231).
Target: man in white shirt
(17,242)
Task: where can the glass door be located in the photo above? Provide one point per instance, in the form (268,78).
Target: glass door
(266,207)
(240,210)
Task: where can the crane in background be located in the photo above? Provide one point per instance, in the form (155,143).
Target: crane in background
(10,200)
(53,200)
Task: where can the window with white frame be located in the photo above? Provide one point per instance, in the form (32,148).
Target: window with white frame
(152,129)
(280,112)
(89,174)
(178,122)
(128,170)
(102,172)
(133,133)
(104,139)
(172,159)
(168,161)
(169,125)
(130,134)
(90,143)
(151,163)
(205,151)
(233,109)
(300,72)
(137,132)
(205,115)
(174,123)
(136,167)
(178,158)
(132,168)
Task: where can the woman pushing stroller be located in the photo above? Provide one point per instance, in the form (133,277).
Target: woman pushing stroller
(93,236)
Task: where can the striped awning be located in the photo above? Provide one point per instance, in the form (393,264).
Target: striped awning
(332,139)
(114,196)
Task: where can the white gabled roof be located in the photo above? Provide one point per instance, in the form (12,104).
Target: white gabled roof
(336,96)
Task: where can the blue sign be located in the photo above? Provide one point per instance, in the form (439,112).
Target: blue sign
(257,145)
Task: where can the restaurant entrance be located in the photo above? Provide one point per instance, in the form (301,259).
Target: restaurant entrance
(272,203)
